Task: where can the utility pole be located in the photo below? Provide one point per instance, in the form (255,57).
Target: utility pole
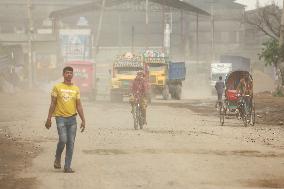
(30,30)
(257,5)
(167,34)
(132,39)
(182,39)
(119,29)
(147,23)
(197,38)
(163,25)
(98,34)
(212,33)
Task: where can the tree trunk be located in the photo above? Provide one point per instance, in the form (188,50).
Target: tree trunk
(281,44)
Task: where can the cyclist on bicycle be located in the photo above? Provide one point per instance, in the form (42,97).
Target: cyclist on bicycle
(139,93)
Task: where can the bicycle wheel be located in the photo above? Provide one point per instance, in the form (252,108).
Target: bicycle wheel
(135,117)
(243,111)
(252,116)
(244,117)
(141,118)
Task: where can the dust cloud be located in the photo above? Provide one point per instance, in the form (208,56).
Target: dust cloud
(197,83)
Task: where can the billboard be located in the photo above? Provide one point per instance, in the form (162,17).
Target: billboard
(75,44)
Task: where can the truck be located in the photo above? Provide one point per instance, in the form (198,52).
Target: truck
(165,77)
(124,71)
(227,64)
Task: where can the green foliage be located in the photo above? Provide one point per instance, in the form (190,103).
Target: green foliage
(278,93)
(271,53)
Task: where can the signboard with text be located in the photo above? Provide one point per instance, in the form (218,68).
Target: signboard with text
(154,57)
(75,44)
(128,60)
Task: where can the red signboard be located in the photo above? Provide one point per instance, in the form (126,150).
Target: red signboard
(83,75)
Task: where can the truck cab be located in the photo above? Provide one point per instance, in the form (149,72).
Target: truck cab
(157,73)
(165,77)
(124,72)
(157,65)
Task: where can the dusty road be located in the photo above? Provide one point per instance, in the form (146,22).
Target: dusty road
(178,149)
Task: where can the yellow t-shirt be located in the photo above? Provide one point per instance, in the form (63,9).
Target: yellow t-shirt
(66,96)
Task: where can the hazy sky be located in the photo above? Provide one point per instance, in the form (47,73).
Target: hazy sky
(251,3)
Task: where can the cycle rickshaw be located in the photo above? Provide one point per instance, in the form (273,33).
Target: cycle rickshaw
(235,104)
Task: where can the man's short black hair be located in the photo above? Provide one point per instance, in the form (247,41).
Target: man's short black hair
(67,68)
(220,77)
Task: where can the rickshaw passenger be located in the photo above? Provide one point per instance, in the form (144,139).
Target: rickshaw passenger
(231,86)
(241,87)
(248,90)
(245,89)
(230,90)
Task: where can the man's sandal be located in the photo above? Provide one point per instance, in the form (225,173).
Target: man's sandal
(69,170)
(57,164)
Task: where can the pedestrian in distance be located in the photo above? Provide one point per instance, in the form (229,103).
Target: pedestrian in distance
(64,106)
(219,86)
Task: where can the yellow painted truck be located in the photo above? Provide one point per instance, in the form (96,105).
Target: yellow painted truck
(124,72)
(165,77)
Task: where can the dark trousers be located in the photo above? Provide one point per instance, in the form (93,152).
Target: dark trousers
(219,96)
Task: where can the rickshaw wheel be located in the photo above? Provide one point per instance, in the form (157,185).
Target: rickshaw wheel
(222,114)
(245,120)
(252,116)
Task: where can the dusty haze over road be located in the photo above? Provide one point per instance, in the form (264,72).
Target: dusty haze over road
(178,148)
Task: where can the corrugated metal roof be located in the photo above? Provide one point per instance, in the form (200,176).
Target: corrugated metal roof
(110,3)
(73,10)
(182,6)
(83,8)
(205,4)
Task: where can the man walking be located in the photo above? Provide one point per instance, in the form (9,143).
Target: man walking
(219,86)
(65,103)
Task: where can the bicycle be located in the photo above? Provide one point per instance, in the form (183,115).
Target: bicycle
(138,117)
(246,110)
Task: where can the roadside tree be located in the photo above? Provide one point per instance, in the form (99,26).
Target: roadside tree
(268,20)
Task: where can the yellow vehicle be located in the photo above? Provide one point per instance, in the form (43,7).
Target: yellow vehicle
(157,73)
(165,77)
(124,72)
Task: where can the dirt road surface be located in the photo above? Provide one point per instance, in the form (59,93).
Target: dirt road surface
(179,148)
